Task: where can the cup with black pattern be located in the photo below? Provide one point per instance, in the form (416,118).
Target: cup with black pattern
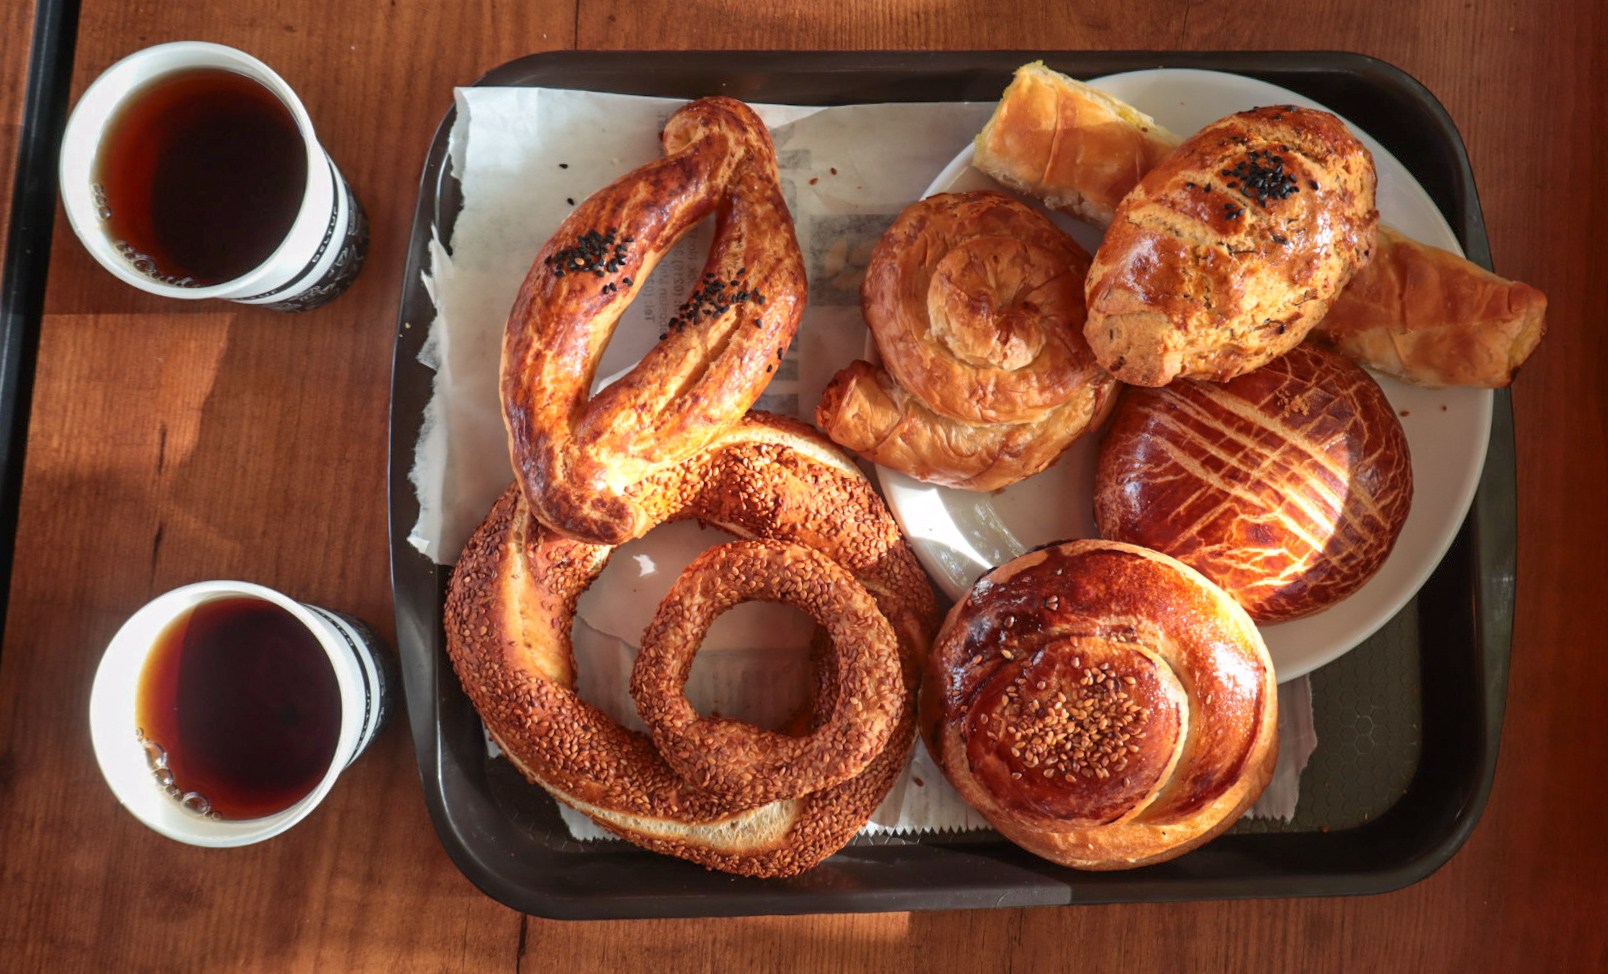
(192,170)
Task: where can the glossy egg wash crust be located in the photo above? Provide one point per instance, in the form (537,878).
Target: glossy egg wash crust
(1230,250)
(1104,706)
(1287,486)
(578,456)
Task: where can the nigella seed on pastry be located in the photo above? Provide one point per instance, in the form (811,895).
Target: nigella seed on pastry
(568,444)
(1179,286)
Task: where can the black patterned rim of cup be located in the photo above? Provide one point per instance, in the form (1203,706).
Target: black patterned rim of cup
(303,296)
(374,663)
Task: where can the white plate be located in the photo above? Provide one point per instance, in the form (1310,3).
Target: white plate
(960,534)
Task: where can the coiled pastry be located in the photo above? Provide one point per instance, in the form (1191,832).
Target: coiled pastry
(510,608)
(1104,706)
(975,302)
(581,462)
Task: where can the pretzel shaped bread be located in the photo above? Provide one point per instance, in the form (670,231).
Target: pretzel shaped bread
(581,459)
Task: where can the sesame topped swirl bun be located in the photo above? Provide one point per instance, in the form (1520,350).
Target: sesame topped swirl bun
(1103,705)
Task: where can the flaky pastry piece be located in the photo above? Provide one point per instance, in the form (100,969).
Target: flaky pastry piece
(577,456)
(1104,706)
(1228,252)
(1415,312)
(1429,317)
(1068,144)
(975,301)
(867,411)
(510,610)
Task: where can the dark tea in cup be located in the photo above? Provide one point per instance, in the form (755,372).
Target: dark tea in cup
(191,170)
(200,175)
(223,712)
(239,704)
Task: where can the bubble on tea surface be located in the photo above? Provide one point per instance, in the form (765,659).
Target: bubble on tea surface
(157,758)
(155,754)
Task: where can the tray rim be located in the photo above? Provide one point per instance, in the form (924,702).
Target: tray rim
(1485,553)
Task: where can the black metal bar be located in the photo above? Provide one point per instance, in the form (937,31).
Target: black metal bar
(27,258)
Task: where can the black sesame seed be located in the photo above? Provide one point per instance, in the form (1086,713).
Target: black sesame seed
(563,165)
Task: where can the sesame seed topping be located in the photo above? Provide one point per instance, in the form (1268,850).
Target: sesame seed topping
(1087,729)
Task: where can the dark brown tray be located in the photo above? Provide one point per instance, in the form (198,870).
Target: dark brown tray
(1408,723)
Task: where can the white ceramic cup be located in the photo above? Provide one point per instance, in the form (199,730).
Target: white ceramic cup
(360,675)
(316,260)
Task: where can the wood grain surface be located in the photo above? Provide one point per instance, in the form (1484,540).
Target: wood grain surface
(171,442)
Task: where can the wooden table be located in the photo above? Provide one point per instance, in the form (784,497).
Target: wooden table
(170,442)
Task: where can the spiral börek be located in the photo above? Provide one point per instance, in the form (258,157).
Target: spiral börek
(975,301)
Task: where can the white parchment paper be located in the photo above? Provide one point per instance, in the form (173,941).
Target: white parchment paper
(524,158)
